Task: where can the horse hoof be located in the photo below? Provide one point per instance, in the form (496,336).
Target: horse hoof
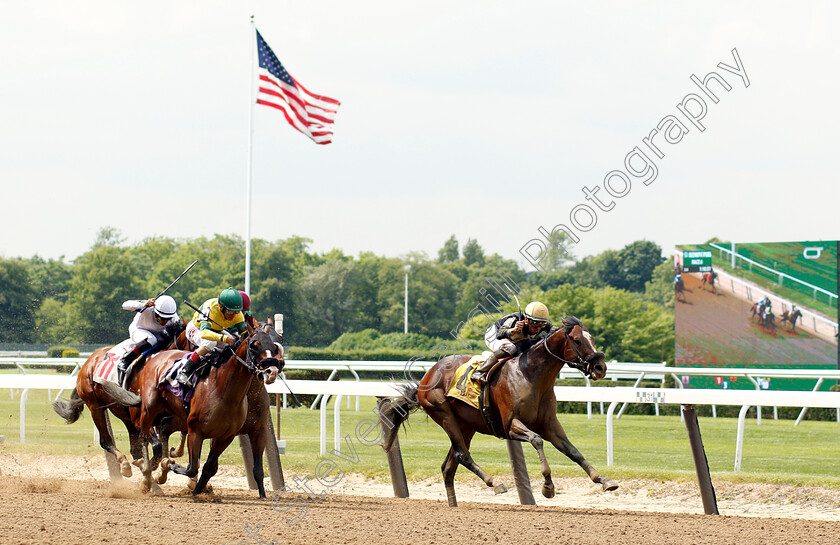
(125,469)
(138,462)
(499,489)
(609,485)
(548,491)
(155,490)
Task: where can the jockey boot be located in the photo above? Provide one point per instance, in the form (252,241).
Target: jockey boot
(185,375)
(132,354)
(480,374)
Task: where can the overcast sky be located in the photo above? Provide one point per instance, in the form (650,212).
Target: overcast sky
(479,119)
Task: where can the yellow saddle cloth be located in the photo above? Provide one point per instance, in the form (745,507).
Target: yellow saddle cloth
(463,387)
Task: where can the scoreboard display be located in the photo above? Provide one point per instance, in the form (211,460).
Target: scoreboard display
(697,261)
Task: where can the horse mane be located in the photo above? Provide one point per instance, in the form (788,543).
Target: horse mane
(569,322)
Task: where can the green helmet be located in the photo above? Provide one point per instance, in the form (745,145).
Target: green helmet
(231,299)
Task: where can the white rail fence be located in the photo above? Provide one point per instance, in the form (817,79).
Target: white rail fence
(750,292)
(614,396)
(780,275)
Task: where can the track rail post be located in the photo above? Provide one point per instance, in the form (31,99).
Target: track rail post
(701,464)
(520,473)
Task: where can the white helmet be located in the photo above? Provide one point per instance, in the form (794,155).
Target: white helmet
(165,306)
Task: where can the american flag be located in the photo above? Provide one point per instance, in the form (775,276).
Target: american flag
(309,113)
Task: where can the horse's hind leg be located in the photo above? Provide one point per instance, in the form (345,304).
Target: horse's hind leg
(520,432)
(163,435)
(178,451)
(147,484)
(556,436)
(448,468)
(106,440)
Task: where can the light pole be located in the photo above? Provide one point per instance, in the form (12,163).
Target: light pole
(405,321)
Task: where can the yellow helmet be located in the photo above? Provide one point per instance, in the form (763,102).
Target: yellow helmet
(536,311)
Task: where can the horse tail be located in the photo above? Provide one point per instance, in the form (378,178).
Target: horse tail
(395,411)
(69,410)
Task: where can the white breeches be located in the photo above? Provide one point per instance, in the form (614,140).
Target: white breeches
(194,336)
(492,342)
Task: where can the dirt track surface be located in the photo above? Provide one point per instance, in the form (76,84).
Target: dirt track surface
(37,511)
(717,329)
(88,510)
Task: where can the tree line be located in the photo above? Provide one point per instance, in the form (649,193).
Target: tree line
(624,296)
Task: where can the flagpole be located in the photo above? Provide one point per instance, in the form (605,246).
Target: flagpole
(250,160)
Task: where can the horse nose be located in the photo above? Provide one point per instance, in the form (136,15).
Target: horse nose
(598,370)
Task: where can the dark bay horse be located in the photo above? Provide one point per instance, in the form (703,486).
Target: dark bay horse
(791,318)
(217,410)
(525,405)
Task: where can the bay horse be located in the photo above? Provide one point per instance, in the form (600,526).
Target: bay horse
(525,405)
(791,318)
(98,401)
(218,407)
(256,425)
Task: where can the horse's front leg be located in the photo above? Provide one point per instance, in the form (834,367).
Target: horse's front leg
(555,434)
(520,432)
(258,440)
(217,447)
(194,442)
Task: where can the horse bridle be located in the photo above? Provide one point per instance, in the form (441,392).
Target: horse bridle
(583,363)
(250,363)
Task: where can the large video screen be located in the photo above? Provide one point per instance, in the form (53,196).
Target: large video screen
(758,305)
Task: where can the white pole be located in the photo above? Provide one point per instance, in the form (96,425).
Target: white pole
(406,299)
(250,158)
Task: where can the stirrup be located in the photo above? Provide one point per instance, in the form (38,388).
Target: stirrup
(479,377)
(184,380)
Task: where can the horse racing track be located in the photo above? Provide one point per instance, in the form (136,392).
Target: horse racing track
(718,328)
(39,509)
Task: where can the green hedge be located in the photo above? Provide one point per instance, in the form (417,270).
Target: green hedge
(379,354)
(58,352)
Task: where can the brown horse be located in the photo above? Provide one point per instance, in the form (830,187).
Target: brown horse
(90,393)
(256,426)
(218,407)
(791,318)
(525,405)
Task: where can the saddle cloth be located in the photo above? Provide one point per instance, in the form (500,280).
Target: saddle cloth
(168,381)
(463,387)
(106,369)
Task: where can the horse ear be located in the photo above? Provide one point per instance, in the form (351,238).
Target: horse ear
(267,328)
